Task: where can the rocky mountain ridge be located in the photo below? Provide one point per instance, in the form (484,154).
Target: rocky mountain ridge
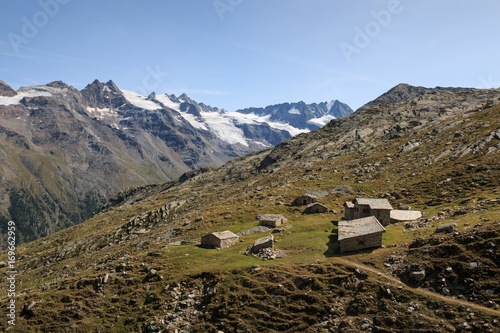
(136,265)
(301,115)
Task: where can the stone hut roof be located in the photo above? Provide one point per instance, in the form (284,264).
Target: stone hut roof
(314,204)
(225,234)
(304,199)
(264,240)
(405,215)
(359,227)
(349,204)
(315,208)
(374,203)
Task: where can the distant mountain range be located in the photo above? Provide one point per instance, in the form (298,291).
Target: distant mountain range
(300,115)
(63,152)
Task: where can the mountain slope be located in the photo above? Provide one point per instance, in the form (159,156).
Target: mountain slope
(437,151)
(64,152)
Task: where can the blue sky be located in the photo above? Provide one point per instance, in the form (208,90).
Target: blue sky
(240,53)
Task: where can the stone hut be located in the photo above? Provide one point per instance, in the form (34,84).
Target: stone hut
(404,215)
(263,243)
(303,200)
(271,220)
(360,234)
(315,208)
(380,208)
(348,210)
(221,240)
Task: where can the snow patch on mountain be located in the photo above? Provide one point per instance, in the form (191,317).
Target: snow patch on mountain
(321,121)
(293,111)
(193,120)
(253,119)
(140,101)
(223,126)
(165,100)
(21,94)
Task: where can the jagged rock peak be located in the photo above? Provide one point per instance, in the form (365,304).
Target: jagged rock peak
(103,95)
(96,83)
(173,98)
(58,84)
(6,90)
(112,86)
(184,98)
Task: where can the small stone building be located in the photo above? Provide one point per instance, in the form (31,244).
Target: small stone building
(315,208)
(348,210)
(380,208)
(221,239)
(360,234)
(303,200)
(271,220)
(263,243)
(404,215)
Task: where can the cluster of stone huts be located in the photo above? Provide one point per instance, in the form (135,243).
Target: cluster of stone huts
(364,221)
(362,226)
(225,239)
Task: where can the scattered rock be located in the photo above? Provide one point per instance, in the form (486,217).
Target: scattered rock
(317,193)
(447,228)
(344,190)
(418,275)
(253,230)
(255,269)
(28,310)
(404,207)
